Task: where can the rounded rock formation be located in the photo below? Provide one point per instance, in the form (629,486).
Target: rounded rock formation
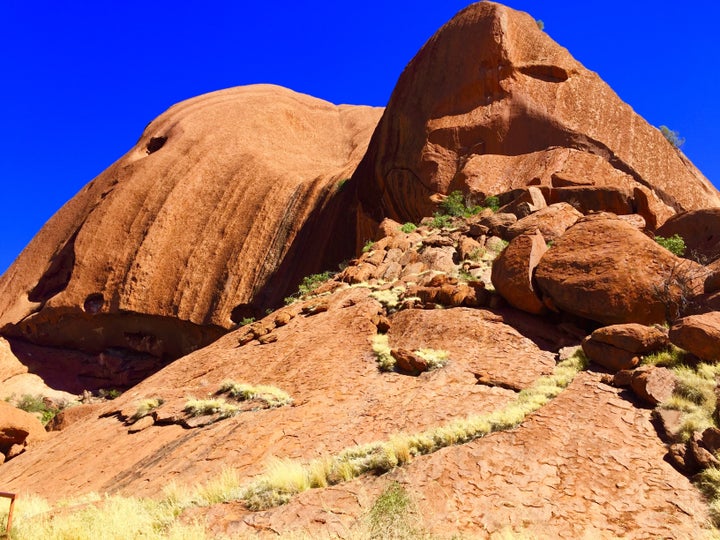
(491,103)
(224,204)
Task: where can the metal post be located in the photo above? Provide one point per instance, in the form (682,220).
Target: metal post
(10,496)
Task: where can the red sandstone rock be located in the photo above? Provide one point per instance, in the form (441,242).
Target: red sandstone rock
(585,199)
(18,428)
(653,384)
(491,104)
(530,200)
(608,356)
(183,235)
(512,272)
(700,229)
(409,362)
(632,337)
(551,222)
(71,415)
(606,270)
(698,334)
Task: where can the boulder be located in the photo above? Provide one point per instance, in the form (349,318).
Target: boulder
(512,272)
(700,229)
(409,362)
(586,199)
(159,253)
(609,357)
(653,385)
(633,337)
(605,270)
(69,416)
(528,201)
(18,428)
(491,104)
(551,222)
(699,335)
(712,278)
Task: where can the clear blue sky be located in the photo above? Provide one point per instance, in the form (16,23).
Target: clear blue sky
(80,80)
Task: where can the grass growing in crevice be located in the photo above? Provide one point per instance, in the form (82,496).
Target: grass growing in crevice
(435,358)
(381,348)
(670,357)
(708,482)
(202,407)
(271,396)
(287,478)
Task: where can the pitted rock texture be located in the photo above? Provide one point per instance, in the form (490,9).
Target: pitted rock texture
(324,360)
(225,202)
(491,103)
(570,471)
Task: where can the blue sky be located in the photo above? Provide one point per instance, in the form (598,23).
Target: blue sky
(82,79)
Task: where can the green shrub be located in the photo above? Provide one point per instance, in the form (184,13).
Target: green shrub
(248,320)
(408,227)
(309,284)
(456,205)
(493,203)
(201,407)
(672,136)
(540,24)
(37,404)
(674,244)
(368,246)
(440,221)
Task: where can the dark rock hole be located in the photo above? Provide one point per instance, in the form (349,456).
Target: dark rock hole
(155,144)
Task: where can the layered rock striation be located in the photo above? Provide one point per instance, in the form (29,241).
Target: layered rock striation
(222,206)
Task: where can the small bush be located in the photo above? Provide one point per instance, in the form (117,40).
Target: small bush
(456,205)
(440,221)
(37,404)
(540,24)
(674,244)
(408,227)
(248,320)
(493,203)
(672,136)
(368,246)
(110,393)
(309,284)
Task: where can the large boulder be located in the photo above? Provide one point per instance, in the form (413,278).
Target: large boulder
(512,272)
(698,334)
(491,103)
(222,206)
(18,428)
(701,231)
(551,221)
(606,270)
(632,337)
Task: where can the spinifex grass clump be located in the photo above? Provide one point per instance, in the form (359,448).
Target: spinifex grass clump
(270,395)
(694,396)
(202,407)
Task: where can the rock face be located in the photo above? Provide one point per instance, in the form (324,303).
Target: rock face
(701,231)
(407,362)
(491,103)
(225,202)
(605,270)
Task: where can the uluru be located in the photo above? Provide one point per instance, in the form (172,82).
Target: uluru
(486,310)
